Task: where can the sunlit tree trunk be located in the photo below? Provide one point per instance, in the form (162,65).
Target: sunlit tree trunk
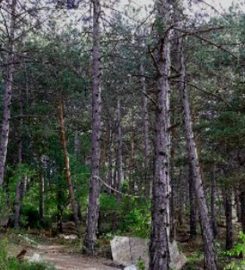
(63,140)
(94,189)
(8,85)
(210,256)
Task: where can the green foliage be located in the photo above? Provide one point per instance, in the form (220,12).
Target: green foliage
(136,217)
(141,264)
(108,203)
(4,211)
(236,251)
(239,247)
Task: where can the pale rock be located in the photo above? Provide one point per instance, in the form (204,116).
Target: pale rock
(131,267)
(128,251)
(35,258)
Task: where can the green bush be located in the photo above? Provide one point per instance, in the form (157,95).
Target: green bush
(237,251)
(136,217)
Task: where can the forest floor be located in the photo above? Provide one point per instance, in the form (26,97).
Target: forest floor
(57,255)
(61,254)
(66,254)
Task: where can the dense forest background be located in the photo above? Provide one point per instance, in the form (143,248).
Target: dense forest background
(127,122)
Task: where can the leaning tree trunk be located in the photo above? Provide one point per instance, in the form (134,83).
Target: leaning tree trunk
(67,163)
(192,203)
(7,93)
(161,191)
(94,190)
(213,197)
(210,256)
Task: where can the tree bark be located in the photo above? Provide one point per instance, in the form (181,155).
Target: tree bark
(20,188)
(193,229)
(210,256)
(7,93)
(242,201)
(77,145)
(228,218)
(213,197)
(161,191)
(41,196)
(145,132)
(63,140)
(94,190)
(119,163)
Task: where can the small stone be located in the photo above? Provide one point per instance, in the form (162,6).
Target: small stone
(35,258)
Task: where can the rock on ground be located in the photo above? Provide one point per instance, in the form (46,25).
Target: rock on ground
(130,251)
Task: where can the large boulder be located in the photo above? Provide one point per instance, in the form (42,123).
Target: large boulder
(129,251)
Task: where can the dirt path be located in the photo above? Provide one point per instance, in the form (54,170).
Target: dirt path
(63,260)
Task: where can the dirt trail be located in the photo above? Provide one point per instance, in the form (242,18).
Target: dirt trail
(63,260)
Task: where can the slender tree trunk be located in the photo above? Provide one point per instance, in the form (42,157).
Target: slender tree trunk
(242,201)
(41,196)
(161,192)
(77,145)
(238,204)
(110,157)
(119,163)
(213,197)
(94,190)
(192,200)
(63,140)
(7,93)
(20,187)
(131,165)
(145,132)
(228,217)
(210,256)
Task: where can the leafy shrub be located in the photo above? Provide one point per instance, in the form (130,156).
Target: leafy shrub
(136,217)
(236,251)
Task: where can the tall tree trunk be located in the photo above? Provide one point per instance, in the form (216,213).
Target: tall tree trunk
(63,140)
(192,200)
(119,163)
(7,93)
(213,197)
(77,145)
(242,202)
(20,187)
(110,157)
(238,204)
(161,191)
(210,256)
(94,190)
(41,196)
(145,131)
(228,218)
